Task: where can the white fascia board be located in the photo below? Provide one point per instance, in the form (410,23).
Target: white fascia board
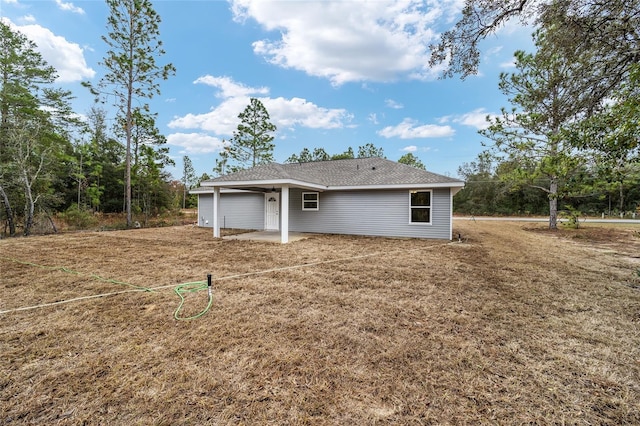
(228,185)
(222,191)
(456,185)
(266,184)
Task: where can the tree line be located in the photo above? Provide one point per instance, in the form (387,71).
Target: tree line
(572,132)
(490,190)
(367,150)
(52,161)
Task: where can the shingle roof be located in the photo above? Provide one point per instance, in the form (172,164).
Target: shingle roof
(340,173)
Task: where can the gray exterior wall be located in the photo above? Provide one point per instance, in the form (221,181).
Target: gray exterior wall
(237,210)
(376,212)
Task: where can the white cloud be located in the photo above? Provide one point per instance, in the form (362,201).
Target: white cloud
(509,64)
(476,118)
(284,113)
(410,129)
(413,148)
(220,120)
(390,103)
(229,88)
(350,41)
(69,7)
(495,50)
(66,57)
(300,112)
(196,143)
(373,117)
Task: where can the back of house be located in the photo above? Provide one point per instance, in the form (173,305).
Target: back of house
(364,196)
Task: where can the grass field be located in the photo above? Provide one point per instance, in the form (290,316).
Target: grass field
(513,325)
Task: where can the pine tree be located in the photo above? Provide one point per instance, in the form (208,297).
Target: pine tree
(369,150)
(189,178)
(306,156)
(411,160)
(132,71)
(251,143)
(533,134)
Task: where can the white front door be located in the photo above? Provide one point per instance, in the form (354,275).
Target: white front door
(272,211)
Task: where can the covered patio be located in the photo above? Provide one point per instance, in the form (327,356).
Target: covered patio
(269,186)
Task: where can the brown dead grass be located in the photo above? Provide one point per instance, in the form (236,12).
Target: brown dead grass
(514,325)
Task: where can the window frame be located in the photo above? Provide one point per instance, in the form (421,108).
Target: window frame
(316,201)
(429,207)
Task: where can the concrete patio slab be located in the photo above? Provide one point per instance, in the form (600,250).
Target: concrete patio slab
(268,236)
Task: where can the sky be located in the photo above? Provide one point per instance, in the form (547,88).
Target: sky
(332,74)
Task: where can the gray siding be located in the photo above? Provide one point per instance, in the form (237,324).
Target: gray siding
(237,210)
(380,213)
(205,210)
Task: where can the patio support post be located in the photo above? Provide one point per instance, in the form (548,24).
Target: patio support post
(284,214)
(216,212)
(450,214)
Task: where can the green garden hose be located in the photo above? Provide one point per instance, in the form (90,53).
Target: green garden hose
(70,271)
(193,287)
(180,290)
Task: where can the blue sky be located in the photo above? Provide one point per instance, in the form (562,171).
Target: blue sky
(332,74)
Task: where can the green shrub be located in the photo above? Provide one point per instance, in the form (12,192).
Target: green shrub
(78,218)
(573,217)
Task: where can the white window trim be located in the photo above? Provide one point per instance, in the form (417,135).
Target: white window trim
(317,201)
(430,207)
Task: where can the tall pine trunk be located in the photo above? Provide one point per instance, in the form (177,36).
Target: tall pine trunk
(127,175)
(29,210)
(9,212)
(131,70)
(129,121)
(553,204)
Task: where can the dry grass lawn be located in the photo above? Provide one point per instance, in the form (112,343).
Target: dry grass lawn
(513,325)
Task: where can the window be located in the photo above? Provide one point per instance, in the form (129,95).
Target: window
(420,207)
(310,201)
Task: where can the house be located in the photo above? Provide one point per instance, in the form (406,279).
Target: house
(363,196)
